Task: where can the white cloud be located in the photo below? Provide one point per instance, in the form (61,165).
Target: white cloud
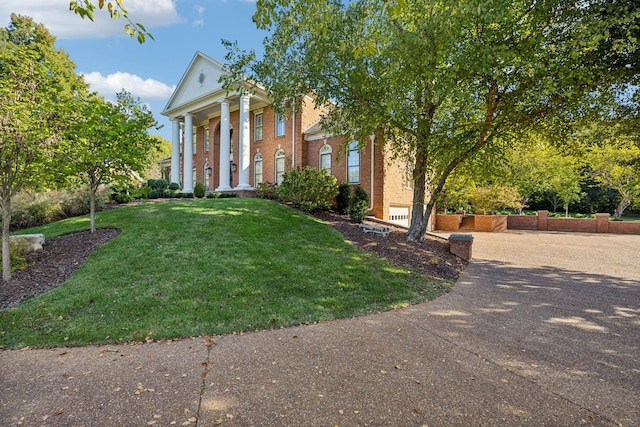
(108,86)
(64,24)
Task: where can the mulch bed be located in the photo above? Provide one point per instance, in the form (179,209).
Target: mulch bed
(430,257)
(62,256)
(59,259)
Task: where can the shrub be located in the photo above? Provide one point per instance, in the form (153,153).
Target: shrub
(358,211)
(198,190)
(157,184)
(343,198)
(308,188)
(359,194)
(168,192)
(18,260)
(227,195)
(154,193)
(213,195)
(120,195)
(187,195)
(141,193)
(79,203)
(359,205)
(267,190)
(174,186)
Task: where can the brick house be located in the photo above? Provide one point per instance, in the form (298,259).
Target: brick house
(233,141)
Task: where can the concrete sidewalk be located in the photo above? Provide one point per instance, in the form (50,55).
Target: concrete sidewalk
(542,329)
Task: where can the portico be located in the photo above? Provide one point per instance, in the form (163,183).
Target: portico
(211,130)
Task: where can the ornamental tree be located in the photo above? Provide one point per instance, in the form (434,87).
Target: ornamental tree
(37,87)
(616,163)
(110,143)
(439,80)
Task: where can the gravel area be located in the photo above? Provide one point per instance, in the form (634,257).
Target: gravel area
(63,255)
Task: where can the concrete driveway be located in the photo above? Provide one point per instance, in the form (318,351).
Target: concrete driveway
(542,329)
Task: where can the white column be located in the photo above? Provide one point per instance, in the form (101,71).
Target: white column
(187,162)
(225,147)
(245,145)
(175,150)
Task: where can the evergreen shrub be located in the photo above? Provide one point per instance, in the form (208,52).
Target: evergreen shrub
(308,188)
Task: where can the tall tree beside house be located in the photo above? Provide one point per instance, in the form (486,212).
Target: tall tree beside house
(109,144)
(37,87)
(439,79)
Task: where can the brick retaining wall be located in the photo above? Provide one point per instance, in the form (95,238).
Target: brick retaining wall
(541,222)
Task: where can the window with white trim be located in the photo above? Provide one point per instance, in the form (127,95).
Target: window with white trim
(194,140)
(257,127)
(353,163)
(257,169)
(194,180)
(325,158)
(206,140)
(279,166)
(280,122)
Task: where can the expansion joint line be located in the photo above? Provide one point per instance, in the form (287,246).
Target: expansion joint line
(203,384)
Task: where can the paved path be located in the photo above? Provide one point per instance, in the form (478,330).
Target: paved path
(542,329)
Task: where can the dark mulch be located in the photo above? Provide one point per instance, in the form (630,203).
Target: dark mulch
(430,257)
(59,259)
(62,256)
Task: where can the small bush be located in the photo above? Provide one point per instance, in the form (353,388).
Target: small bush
(227,195)
(140,193)
(187,195)
(154,193)
(79,203)
(157,184)
(198,190)
(17,256)
(308,188)
(168,192)
(174,186)
(343,198)
(358,211)
(359,194)
(267,190)
(213,195)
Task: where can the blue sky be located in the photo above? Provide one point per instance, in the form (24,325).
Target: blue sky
(110,60)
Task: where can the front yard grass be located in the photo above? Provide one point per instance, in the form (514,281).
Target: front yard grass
(209,267)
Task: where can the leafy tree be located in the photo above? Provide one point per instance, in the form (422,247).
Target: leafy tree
(86,9)
(439,80)
(564,180)
(493,196)
(615,162)
(109,144)
(37,86)
(162,151)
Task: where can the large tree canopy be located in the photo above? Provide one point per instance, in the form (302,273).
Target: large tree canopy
(440,80)
(37,88)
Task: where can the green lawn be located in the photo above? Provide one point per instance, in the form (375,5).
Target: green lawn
(209,267)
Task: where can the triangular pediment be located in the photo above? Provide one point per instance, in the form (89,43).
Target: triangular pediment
(201,78)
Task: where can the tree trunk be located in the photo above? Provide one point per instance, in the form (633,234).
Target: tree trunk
(419,189)
(624,204)
(6,254)
(92,208)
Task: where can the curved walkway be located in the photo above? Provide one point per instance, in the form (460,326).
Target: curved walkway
(542,329)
